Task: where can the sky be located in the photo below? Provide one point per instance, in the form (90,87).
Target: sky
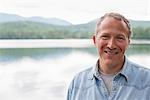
(77,11)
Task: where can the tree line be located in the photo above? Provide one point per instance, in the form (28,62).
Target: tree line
(34,30)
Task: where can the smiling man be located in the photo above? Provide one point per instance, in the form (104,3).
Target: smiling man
(113,77)
(112,39)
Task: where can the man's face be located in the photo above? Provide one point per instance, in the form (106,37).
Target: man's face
(111,41)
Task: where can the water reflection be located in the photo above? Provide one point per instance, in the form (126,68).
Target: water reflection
(44,74)
(35,79)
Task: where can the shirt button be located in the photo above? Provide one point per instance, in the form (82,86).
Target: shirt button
(115,88)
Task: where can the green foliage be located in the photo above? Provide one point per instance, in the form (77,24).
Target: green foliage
(34,30)
(141,33)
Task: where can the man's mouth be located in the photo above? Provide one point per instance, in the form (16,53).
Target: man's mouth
(111,52)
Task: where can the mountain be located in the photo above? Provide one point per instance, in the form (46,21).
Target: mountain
(54,21)
(139,23)
(10,18)
(38,30)
(4,17)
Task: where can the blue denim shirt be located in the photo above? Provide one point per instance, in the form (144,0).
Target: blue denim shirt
(131,83)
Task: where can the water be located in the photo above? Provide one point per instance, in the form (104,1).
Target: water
(45,73)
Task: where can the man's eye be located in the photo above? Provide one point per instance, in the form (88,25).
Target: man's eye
(121,38)
(105,37)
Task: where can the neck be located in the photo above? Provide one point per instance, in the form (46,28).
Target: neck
(110,68)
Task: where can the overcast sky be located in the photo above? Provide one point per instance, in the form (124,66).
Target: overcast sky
(77,11)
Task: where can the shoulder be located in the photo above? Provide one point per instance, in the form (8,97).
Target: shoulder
(80,83)
(140,75)
(142,70)
(83,75)
(81,78)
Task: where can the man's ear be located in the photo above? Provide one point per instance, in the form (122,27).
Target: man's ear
(129,41)
(94,39)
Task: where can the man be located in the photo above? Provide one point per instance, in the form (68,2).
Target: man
(113,77)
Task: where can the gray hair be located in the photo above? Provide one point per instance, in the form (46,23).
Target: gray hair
(118,17)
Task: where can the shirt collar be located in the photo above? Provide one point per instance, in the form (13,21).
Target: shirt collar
(124,72)
(94,72)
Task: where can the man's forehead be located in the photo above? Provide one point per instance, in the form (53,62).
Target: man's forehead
(110,23)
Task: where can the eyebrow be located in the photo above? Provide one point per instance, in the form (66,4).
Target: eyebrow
(124,35)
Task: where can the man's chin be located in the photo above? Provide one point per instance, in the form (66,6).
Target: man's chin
(109,62)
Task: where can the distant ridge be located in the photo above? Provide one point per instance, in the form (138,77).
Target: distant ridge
(141,23)
(54,21)
(10,18)
(4,17)
(16,27)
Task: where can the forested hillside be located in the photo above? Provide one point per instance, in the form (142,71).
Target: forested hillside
(37,30)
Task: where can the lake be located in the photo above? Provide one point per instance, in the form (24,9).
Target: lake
(45,73)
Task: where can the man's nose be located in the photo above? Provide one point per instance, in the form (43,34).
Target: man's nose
(111,43)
